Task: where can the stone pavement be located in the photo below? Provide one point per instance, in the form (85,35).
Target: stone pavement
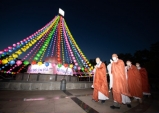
(70,101)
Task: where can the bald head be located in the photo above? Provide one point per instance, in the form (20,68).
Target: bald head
(115,57)
(137,65)
(128,63)
(97,60)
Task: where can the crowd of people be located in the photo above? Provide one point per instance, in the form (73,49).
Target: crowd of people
(126,82)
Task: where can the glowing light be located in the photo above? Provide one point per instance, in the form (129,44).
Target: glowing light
(61,12)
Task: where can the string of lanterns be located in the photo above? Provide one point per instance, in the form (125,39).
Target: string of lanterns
(53,39)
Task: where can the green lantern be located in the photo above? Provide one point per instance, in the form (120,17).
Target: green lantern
(59,65)
(38,55)
(35,58)
(40,52)
(26,62)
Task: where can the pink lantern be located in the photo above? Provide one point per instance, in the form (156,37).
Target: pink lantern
(14,45)
(75,61)
(73,58)
(9,47)
(79,68)
(1,52)
(19,62)
(5,50)
(18,43)
(76,64)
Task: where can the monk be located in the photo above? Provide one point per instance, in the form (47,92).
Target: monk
(100,84)
(134,81)
(119,86)
(144,80)
(110,75)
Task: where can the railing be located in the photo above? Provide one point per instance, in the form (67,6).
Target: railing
(85,78)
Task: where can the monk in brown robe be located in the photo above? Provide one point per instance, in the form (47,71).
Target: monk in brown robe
(134,81)
(120,86)
(144,80)
(100,84)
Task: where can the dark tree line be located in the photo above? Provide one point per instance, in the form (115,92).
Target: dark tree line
(148,59)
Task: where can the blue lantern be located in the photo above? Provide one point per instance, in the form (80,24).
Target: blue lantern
(18,46)
(46,64)
(13,48)
(12,62)
(10,51)
(75,67)
(4,53)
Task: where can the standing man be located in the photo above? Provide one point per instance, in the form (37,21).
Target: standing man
(110,75)
(134,81)
(100,82)
(144,80)
(120,86)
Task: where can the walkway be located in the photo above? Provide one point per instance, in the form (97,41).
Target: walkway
(70,101)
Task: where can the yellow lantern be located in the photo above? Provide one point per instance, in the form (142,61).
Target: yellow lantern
(71,65)
(23,49)
(15,55)
(30,44)
(40,63)
(90,69)
(4,61)
(19,52)
(10,58)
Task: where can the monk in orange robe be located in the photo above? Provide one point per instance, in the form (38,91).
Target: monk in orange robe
(100,84)
(120,86)
(144,80)
(134,81)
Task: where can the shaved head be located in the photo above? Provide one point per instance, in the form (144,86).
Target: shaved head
(137,65)
(97,60)
(128,63)
(115,55)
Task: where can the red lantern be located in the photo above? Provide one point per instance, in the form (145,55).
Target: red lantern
(66,65)
(58,59)
(33,62)
(86,69)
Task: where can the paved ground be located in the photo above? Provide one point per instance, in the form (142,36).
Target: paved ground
(70,101)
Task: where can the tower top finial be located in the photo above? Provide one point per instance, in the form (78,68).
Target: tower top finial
(61,12)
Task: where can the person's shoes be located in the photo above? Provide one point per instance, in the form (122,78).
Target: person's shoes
(114,107)
(134,100)
(94,100)
(129,105)
(102,101)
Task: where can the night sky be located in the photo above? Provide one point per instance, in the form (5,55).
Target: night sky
(100,27)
